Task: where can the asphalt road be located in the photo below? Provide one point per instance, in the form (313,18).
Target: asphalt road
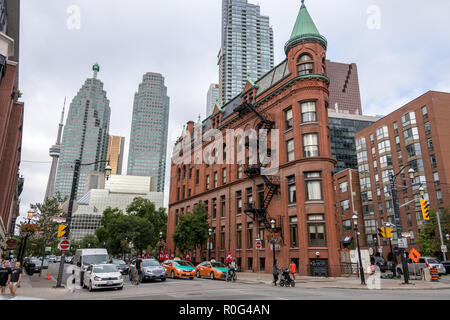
(206,289)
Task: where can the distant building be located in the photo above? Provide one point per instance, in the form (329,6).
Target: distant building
(343,127)
(118,192)
(247,47)
(116,145)
(149,127)
(211,98)
(85,135)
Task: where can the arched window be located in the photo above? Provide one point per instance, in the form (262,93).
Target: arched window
(305,64)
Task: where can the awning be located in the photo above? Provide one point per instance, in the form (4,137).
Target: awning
(347,239)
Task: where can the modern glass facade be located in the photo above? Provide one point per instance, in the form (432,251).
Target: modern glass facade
(247,47)
(85,136)
(211,98)
(148,138)
(343,127)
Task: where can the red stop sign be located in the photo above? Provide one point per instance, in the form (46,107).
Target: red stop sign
(64,244)
(258,245)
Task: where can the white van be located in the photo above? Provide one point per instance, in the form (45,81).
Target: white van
(84,258)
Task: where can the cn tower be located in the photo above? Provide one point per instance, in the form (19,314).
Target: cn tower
(55,150)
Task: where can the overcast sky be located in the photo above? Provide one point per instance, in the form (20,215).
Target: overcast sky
(401,53)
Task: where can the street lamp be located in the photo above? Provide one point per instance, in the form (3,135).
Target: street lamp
(361,269)
(209,243)
(160,244)
(73,192)
(23,246)
(272,225)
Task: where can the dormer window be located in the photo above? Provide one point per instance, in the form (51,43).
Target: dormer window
(305,64)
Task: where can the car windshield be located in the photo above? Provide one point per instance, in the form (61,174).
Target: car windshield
(182,263)
(104,269)
(150,263)
(95,259)
(432,261)
(118,262)
(36,262)
(218,265)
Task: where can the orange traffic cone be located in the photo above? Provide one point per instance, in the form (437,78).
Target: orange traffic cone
(48,276)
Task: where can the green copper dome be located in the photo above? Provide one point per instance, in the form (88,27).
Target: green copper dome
(304,30)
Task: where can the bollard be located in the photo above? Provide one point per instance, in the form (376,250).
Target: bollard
(48,276)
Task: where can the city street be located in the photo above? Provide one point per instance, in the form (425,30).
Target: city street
(205,289)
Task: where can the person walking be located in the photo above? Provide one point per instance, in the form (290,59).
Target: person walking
(138,269)
(16,278)
(5,275)
(275,273)
(293,269)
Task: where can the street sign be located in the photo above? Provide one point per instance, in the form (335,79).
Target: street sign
(58,220)
(11,243)
(61,230)
(64,244)
(444,248)
(258,244)
(48,249)
(277,247)
(371,251)
(405,234)
(403,243)
(414,255)
(396,251)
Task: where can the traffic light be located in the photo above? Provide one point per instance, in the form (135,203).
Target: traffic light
(424,206)
(381,233)
(61,230)
(388,232)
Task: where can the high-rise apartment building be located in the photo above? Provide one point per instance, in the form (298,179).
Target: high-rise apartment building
(115,153)
(211,98)
(415,136)
(247,47)
(148,138)
(85,135)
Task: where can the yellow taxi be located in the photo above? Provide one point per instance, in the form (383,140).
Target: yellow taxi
(178,268)
(211,269)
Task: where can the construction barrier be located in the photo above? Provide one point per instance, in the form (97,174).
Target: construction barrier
(426,274)
(434,274)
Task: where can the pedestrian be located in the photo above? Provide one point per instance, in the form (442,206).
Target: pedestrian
(275,273)
(16,278)
(5,275)
(293,269)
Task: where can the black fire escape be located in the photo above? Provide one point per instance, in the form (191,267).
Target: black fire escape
(271,183)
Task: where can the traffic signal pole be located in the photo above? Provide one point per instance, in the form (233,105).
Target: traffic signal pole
(73,192)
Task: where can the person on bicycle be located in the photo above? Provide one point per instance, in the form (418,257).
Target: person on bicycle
(232,267)
(138,269)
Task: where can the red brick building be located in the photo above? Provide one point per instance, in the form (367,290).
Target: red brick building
(293,98)
(11,120)
(415,136)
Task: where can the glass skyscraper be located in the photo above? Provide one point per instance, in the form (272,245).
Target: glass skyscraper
(247,47)
(148,139)
(85,135)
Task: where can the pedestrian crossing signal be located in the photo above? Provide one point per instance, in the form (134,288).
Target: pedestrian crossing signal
(61,230)
(425,212)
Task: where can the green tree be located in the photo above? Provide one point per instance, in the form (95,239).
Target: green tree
(192,229)
(429,238)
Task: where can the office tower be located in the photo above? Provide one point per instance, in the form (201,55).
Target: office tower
(55,151)
(85,135)
(211,98)
(115,153)
(247,47)
(148,138)
(343,127)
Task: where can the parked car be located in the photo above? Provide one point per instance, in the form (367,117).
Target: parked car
(121,266)
(446,265)
(380,262)
(52,258)
(424,262)
(151,270)
(58,259)
(179,269)
(33,265)
(98,276)
(211,269)
(68,259)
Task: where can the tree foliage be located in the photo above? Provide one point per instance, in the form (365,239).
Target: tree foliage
(429,238)
(192,229)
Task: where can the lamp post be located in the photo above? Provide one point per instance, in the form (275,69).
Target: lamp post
(23,246)
(73,192)
(394,273)
(361,269)
(272,225)
(160,244)
(257,240)
(398,222)
(209,243)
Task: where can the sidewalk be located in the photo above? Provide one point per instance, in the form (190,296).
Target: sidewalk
(39,287)
(347,282)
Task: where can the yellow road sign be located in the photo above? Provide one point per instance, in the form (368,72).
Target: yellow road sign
(61,230)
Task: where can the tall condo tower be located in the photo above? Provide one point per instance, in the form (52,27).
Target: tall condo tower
(148,138)
(85,135)
(211,98)
(247,47)
(55,151)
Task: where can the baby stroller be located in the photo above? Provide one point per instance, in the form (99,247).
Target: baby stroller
(286,279)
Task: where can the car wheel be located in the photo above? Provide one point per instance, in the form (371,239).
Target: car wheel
(172,275)
(163,279)
(90,286)
(212,276)
(120,288)
(198,274)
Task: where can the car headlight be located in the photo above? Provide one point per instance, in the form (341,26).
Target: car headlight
(119,277)
(97,279)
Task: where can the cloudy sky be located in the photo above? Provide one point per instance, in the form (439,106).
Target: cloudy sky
(401,49)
